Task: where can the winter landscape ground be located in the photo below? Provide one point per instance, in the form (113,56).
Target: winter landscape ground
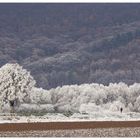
(70,63)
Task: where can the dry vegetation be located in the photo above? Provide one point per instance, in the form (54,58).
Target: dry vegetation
(100,132)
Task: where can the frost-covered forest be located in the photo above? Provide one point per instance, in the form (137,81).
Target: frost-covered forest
(68,44)
(17,84)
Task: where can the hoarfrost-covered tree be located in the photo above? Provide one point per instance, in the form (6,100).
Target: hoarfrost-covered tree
(15,86)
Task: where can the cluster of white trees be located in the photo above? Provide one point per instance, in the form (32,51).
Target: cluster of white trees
(17,84)
(94,96)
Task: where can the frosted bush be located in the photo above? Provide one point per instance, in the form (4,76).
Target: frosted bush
(37,108)
(89,108)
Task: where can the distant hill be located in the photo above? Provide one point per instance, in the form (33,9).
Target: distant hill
(72,43)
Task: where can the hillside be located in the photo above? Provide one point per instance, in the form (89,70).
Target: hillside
(64,44)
